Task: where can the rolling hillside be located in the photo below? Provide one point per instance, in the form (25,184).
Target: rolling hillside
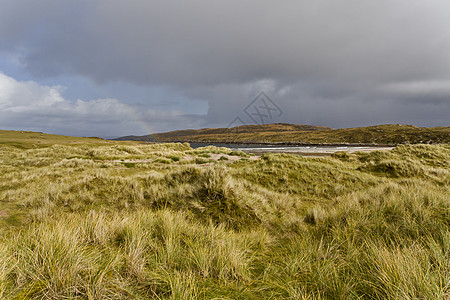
(305,134)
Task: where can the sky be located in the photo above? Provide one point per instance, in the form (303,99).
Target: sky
(111,68)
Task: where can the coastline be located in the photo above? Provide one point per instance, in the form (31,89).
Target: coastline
(293,144)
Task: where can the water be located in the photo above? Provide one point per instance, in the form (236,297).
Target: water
(291,149)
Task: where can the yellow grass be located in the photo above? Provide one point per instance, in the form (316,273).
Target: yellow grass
(93,219)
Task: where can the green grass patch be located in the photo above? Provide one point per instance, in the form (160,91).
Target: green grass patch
(175,158)
(201,160)
(129,164)
(163,161)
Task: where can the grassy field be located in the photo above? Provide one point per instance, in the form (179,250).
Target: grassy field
(392,134)
(84,218)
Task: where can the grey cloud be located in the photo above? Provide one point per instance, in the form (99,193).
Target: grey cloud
(335,63)
(30,106)
(215,42)
(419,88)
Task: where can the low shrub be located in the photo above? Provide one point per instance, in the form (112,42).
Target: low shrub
(201,161)
(175,158)
(163,160)
(394,168)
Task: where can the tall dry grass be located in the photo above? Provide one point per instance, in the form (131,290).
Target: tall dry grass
(128,221)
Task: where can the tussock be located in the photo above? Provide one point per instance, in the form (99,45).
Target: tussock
(109,220)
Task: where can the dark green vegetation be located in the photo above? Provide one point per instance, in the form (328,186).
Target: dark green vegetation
(92,219)
(305,134)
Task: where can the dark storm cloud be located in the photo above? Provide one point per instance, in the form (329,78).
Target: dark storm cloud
(212,42)
(336,63)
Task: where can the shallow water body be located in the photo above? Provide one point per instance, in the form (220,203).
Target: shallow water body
(255,148)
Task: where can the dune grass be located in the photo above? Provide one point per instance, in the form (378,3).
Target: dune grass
(163,221)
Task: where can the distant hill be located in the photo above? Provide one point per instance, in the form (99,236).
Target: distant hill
(283,133)
(31,140)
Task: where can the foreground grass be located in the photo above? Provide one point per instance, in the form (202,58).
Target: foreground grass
(98,220)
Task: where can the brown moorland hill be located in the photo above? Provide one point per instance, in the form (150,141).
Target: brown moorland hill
(283,133)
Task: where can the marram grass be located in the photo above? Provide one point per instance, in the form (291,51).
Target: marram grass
(106,220)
